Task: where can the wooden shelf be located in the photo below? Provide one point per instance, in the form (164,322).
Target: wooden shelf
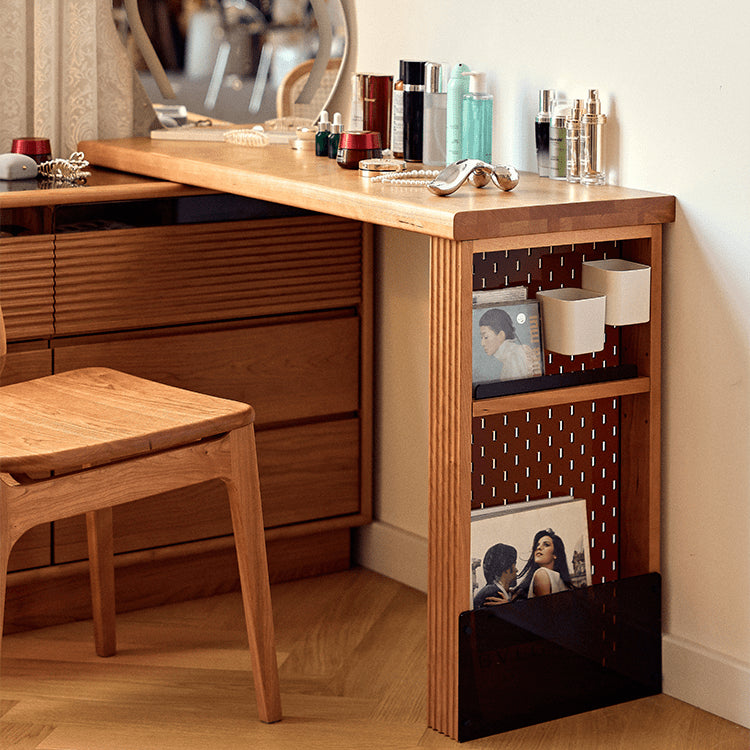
(556,396)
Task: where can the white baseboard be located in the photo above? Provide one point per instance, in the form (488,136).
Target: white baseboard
(392,552)
(706,679)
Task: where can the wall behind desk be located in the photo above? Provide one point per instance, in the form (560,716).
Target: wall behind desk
(673,78)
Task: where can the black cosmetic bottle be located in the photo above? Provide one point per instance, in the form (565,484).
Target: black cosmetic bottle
(413,110)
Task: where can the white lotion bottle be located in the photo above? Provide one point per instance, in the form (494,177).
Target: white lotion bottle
(434,116)
(458,87)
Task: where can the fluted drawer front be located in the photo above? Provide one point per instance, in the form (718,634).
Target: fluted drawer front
(137,278)
(307,472)
(289,368)
(26,286)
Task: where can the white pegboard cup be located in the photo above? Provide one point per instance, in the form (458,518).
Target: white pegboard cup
(627,286)
(572,320)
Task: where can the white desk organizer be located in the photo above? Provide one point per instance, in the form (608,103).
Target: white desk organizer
(572,320)
(627,286)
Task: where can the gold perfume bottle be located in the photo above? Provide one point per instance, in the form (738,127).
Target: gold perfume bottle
(592,144)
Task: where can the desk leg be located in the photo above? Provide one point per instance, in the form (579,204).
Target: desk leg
(449,473)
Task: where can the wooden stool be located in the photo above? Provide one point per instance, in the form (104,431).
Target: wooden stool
(110,438)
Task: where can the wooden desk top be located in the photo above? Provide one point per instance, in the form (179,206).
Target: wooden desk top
(279,174)
(103,185)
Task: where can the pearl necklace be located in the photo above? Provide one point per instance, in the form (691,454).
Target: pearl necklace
(417,177)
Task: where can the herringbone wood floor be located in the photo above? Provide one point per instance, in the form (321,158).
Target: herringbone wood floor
(353,668)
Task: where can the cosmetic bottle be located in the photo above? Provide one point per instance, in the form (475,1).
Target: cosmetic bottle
(476,120)
(573,142)
(592,145)
(413,110)
(335,135)
(434,116)
(377,106)
(321,138)
(458,87)
(557,141)
(541,131)
(356,109)
(397,114)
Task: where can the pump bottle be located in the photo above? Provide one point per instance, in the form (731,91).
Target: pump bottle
(458,87)
(476,121)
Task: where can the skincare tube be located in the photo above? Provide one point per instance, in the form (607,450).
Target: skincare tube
(458,87)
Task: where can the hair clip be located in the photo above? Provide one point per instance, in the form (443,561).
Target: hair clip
(478,172)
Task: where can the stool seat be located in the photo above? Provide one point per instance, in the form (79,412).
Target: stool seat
(95,415)
(85,441)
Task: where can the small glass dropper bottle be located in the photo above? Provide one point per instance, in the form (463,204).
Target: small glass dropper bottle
(321,137)
(335,135)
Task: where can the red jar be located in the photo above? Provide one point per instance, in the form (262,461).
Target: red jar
(356,145)
(37,148)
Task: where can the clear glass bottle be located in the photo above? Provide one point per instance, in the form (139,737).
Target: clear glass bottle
(592,141)
(434,117)
(541,131)
(476,122)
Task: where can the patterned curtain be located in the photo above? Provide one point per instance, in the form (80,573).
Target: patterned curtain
(65,75)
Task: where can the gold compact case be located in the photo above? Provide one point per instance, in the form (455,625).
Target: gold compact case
(375,167)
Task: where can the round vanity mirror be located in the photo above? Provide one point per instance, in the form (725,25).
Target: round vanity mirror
(237,61)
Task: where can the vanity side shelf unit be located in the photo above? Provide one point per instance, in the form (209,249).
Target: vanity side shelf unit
(273,309)
(599,441)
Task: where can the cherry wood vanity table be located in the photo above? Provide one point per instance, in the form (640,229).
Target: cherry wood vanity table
(477,238)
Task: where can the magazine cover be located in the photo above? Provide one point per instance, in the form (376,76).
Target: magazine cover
(506,341)
(528,549)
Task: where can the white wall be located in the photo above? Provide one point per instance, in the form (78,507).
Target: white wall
(673,76)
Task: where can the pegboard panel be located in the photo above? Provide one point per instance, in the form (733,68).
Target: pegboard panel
(572,449)
(550,267)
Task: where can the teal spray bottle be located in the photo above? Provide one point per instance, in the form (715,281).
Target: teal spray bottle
(477,119)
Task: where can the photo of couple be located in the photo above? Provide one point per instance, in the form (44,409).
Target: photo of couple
(528,549)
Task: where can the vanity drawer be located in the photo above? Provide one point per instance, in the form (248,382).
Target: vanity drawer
(27,286)
(124,279)
(290,368)
(307,472)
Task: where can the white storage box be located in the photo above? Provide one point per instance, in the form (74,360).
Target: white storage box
(572,320)
(627,286)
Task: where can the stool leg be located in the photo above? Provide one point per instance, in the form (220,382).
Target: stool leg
(102,571)
(247,521)
(4,555)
